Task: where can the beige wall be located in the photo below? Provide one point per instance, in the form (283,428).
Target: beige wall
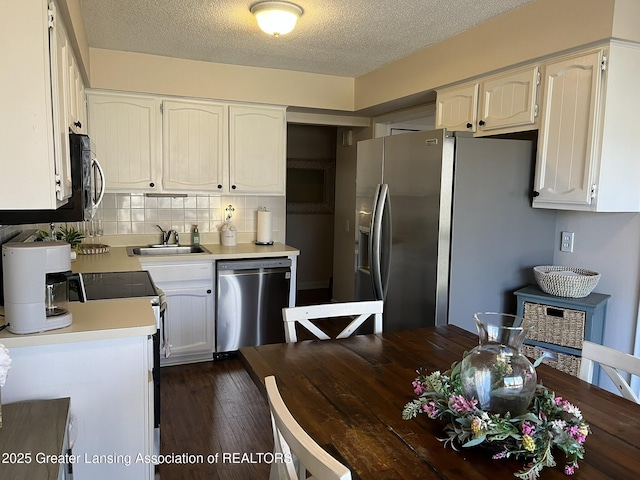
(136,72)
(625,20)
(534,30)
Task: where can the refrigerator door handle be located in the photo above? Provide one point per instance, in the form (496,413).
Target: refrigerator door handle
(381,201)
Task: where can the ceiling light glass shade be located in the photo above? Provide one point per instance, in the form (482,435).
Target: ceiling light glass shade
(276,18)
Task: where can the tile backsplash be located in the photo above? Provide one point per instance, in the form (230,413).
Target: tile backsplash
(137,214)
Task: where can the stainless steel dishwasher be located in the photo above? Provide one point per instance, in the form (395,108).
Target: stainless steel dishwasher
(250,298)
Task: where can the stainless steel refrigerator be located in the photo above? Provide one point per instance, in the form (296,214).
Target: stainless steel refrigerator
(446,226)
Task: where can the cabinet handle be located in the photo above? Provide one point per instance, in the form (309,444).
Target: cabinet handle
(233,187)
(152,184)
(78,124)
(469,125)
(536,194)
(481,123)
(209,291)
(219,186)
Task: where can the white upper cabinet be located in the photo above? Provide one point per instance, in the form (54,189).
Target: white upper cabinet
(508,101)
(35,166)
(257,149)
(124,130)
(588,143)
(194,145)
(60,51)
(457,108)
(76,103)
(151,144)
(501,103)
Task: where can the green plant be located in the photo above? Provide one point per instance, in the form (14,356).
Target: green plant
(65,233)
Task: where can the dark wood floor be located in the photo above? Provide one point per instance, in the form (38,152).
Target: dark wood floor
(214,408)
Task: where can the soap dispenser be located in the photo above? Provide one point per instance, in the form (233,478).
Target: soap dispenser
(195,236)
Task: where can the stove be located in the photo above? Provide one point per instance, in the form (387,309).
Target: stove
(108,285)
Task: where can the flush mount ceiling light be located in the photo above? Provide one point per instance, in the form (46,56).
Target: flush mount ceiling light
(276,18)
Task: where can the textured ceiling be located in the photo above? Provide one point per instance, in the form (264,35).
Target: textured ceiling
(335,37)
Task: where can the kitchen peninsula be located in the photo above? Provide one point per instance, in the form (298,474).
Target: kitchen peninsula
(103,362)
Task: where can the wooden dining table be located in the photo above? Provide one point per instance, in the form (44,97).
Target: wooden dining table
(349,394)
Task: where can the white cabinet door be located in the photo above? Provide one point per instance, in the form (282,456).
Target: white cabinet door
(257,149)
(76,104)
(457,107)
(501,103)
(194,146)
(124,130)
(189,318)
(189,324)
(567,139)
(508,101)
(60,88)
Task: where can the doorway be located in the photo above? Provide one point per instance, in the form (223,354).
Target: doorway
(311,163)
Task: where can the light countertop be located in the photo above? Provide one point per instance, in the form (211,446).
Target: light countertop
(119,318)
(117,260)
(95,320)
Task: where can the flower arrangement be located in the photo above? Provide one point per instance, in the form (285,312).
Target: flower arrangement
(549,422)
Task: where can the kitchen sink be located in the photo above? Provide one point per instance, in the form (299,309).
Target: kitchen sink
(148,250)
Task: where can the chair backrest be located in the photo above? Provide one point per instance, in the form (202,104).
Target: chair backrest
(293,442)
(611,361)
(303,315)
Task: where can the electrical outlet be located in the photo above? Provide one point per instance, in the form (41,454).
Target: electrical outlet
(566,242)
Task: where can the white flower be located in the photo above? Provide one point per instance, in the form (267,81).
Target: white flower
(558,425)
(5,361)
(573,410)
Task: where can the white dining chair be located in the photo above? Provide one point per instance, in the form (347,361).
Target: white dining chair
(612,362)
(359,311)
(290,440)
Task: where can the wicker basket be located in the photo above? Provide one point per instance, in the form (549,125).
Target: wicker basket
(92,248)
(566,281)
(560,326)
(560,361)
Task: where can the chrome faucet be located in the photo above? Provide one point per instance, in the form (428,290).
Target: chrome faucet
(166,236)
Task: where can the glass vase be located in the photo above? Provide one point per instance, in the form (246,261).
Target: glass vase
(496,372)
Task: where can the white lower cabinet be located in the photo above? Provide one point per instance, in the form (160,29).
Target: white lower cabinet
(188,324)
(108,382)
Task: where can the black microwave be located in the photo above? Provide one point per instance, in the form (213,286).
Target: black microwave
(87,190)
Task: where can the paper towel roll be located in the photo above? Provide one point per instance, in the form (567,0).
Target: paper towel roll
(264,227)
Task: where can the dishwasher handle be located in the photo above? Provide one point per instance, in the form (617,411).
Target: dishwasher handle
(258,263)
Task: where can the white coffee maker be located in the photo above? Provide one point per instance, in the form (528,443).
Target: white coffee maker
(36,286)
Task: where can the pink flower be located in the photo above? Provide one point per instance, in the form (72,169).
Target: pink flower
(570,468)
(560,402)
(528,429)
(431,409)
(577,433)
(461,404)
(500,455)
(418,388)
